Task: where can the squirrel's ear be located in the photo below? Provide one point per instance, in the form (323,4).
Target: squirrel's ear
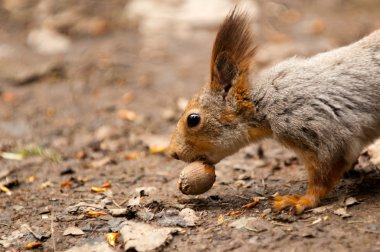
(225,72)
(233,51)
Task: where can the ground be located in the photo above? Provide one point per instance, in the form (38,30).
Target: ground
(90,92)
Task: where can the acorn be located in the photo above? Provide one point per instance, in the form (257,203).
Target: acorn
(196,178)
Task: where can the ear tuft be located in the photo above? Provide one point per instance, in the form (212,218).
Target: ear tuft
(233,51)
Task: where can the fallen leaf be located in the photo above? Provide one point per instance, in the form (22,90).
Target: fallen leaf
(73,231)
(112,238)
(189,216)
(31,179)
(172,217)
(320,209)
(11,156)
(351,201)
(127,115)
(33,245)
(132,155)
(157,149)
(83,207)
(342,212)
(157,144)
(38,235)
(118,211)
(267,211)
(67,184)
(83,180)
(145,237)
(234,213)
(250,205)
(128,97)
(45,184)
(316,221)
(98,189)
(105,132)
(220,219)
(241,222)
(6,190)
(8,97)
(81,155)
(106,184)
(101,162)
(95,213)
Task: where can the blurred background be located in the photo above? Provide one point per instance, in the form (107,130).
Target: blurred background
(65,60)
(102,83)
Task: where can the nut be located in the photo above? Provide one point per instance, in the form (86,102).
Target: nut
(196,178)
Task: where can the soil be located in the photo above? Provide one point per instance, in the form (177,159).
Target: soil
(104,99)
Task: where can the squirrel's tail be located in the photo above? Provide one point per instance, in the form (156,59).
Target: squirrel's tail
(233,50)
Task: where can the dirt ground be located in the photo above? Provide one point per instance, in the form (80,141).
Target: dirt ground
(90,92)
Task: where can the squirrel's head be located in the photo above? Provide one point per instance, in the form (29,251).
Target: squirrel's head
(216,122)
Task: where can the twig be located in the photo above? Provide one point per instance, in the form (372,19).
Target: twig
(52,229)
(123,202)
(38,237)
(115,203)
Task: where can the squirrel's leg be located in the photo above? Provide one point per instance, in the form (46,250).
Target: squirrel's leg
(321,181)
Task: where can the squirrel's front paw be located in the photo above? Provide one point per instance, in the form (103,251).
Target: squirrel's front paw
(297,202)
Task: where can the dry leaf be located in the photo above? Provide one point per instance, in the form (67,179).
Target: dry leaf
(98,189)
(320,209)
(220,219)
(318,25)
(112,238)
(33,245)
(157,149)
(81,155)
(80,179)
(132,155)
(106,184)
(128,97)
(351,201)
(51,112)
(8,97)
(234,213)
(342,212)
(316,221)
(31,179)
(11,156)
(95,213)
(73,231)
(251,204)
(67,184)
(6,190)
(101,162)
(127,115)
(45,184)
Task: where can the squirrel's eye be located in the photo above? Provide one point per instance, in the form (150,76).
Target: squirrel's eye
(193,120)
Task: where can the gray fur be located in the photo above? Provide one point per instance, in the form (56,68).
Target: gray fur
(328,104)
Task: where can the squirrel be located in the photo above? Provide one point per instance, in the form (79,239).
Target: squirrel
(325,108)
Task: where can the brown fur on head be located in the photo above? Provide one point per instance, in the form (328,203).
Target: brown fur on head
(223,107)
